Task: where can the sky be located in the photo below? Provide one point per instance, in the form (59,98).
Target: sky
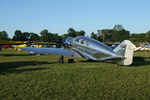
(59,15)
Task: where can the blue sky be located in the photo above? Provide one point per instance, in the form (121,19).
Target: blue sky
(59,15)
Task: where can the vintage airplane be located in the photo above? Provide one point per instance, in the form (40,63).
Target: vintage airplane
(89,48)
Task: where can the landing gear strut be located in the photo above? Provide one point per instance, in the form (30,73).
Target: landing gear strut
(61,60)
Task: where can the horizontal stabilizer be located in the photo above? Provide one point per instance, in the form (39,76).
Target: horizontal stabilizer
(111,58)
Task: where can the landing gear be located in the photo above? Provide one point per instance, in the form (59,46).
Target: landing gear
(70,60)
(61,60)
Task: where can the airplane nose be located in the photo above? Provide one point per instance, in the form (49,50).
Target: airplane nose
(68,40)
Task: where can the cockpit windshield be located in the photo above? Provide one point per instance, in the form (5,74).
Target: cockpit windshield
(81,41)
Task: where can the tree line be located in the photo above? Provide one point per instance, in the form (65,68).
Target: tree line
(45,36)
(116,34)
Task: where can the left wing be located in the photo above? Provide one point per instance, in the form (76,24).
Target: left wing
(57,51)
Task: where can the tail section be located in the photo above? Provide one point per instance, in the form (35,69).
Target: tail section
(125,48)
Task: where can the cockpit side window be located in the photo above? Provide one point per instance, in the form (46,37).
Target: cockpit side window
(82,41)
(77,40)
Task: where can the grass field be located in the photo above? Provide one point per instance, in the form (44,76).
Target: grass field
(24,77)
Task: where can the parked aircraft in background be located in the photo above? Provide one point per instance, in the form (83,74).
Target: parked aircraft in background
(89,48)
(146,46)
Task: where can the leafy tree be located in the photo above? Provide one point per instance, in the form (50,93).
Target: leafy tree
(147,35)
(54,37)
(93,35)
(121,35)
(118,27)
(115,36)
(45,36)
(133,37)
(138,37)
(72,32)
(59,39)
(3,36)
(142,37)
(25,36)
(100,35)
(80,33)
(50,37)
(64,36)
(106,34)
(17,35)
(34,37)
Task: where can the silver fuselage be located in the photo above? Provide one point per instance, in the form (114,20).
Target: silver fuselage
(89,48)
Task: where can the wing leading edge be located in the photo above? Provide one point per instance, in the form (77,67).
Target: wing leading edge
(56,51)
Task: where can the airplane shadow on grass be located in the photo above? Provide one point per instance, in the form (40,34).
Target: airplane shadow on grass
(10,67)
(137,61)
(17,55)
(89,61)
(140,61)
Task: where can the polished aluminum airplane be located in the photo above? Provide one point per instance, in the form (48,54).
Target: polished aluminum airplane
(89,48)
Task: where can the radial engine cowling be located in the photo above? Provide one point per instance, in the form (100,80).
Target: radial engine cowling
(68,41)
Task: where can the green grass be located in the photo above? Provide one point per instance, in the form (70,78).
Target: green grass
(24,77)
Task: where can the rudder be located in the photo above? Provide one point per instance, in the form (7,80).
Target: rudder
(125,48)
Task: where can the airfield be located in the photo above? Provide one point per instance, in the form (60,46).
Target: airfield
(26,77)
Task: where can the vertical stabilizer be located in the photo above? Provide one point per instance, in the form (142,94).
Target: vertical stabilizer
(125,48)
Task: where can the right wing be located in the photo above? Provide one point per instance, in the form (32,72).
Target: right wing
(56,51)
